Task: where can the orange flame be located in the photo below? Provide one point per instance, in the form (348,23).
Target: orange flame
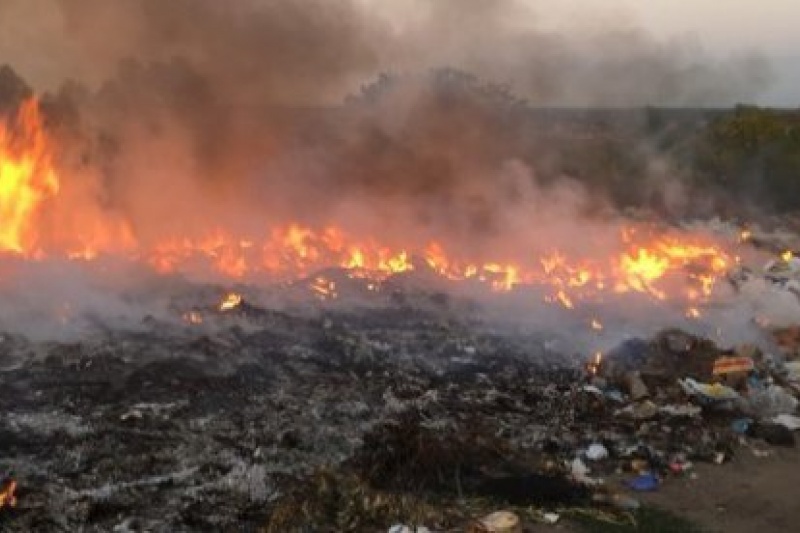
(594,364)
(323,288)
(7,494)
(230,301)
(192,317)
(642,261)
(27,178)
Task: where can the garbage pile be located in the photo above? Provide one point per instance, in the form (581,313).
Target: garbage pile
(406,418)
(683,400)
(645,412)
(679,375)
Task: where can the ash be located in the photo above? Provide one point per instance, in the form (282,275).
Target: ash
(181,428)
(392,404)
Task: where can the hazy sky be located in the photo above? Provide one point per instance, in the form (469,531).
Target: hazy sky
(769,25)
(723,28)
(33,38)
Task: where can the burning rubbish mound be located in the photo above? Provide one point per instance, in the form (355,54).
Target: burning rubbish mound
(440,359)
(47,214)
(421,413)
(229,303)
(57,220)
(419,198)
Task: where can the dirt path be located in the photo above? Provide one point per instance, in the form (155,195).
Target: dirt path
(751,494)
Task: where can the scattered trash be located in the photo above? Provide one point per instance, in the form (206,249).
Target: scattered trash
(596,452)
(644,482)
(640,465)
(579,472)
(448,446)
(714,392)
(402,528)
(593,389)
(771,401)
(615,396)
(741,425)
(730,365)
(133,414)
(680,467)
(790,422)
(550,518)
(501,522)
(685,410)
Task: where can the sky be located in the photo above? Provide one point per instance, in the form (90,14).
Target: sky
(33,39)
(769,25)
(723,27)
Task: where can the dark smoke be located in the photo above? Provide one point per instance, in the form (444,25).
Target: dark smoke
(177,117)
(190,111)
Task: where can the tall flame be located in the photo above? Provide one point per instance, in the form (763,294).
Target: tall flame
(27,178)
(642,260)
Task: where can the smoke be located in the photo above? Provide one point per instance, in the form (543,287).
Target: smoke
(257,52)
(177,118)
(220,96)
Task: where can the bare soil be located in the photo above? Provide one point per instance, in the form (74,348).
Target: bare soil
(753,493)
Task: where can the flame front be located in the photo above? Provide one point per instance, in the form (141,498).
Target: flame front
(642,259)
(27,178)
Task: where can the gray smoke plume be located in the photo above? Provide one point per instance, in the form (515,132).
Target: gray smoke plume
(178,117)
(232,105)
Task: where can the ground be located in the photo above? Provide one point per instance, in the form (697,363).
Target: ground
(347,421)
(750,494)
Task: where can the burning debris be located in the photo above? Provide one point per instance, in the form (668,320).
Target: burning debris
(8,497)
(27,177)
(230,301)
(419,414)
(229,304)
(427,403)
(636,258)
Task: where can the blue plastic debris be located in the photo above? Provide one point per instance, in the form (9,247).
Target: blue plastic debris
(741,425)
(643,483)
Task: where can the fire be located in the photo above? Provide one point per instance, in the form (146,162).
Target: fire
(644,260)
(27,178)
(193,317)
(324,288)
(594,365)
(231,301)
(639,271)
(7,494)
